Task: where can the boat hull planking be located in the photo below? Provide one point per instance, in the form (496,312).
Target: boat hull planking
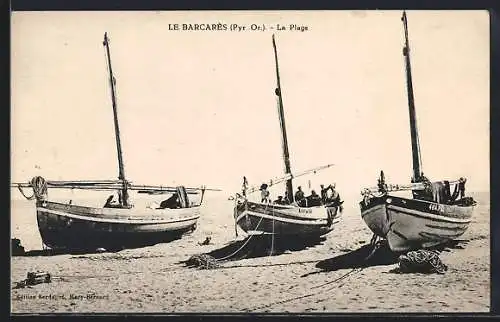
(410,224)
(70,227)
(285,220)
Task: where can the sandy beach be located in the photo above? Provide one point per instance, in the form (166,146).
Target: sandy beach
(326,277)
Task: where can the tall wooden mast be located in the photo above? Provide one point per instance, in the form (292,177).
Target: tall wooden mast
(415,145)
(121,170)
(286,155)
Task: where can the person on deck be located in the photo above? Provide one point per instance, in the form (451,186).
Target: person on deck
(286,200)
(335,199)
(300,198)
(324,192)
(110,203)
(279,201)
(314,199)
(332,198)
(264,193)
(172,202)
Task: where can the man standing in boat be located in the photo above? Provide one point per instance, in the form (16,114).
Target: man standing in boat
(333,199)
(299,197)
(264,193)
(324,193)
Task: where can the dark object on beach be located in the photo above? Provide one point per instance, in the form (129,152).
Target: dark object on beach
(17,248)
(38,278)
(206,241)
(34,278)
(202,261)
(421,261)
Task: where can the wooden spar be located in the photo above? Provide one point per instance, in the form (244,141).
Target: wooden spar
(415,144)
(287,177)
(112,82)
(105,185)
(286,155)
(146,189)
(403,187)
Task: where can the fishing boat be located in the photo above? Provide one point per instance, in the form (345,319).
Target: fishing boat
(433,215)
(118,224)
(293,217)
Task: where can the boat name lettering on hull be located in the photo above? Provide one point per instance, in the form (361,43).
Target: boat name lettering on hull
(436,207)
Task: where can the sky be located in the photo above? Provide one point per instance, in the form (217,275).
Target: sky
(198,107)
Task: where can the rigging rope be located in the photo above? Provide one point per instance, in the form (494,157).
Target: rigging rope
(206,261)
(272,236)
(39,186)
(245,243)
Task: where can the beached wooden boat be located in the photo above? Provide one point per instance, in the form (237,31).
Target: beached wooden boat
(118,224)
(434,215)
(289,219)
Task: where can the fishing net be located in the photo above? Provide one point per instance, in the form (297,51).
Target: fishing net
(203,261)
(421,261)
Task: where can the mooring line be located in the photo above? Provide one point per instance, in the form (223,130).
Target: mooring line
(344,276)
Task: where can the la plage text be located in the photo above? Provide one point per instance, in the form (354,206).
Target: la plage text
(235,27)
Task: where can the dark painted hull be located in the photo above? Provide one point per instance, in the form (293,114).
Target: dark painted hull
(80,228)
(259,218)
(410,224)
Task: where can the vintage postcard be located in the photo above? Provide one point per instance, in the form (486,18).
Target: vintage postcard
(250,161)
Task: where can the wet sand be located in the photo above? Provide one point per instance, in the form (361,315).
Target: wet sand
(321,278)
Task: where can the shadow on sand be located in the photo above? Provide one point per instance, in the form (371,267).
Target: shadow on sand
(18,249)
(361,258)
(263,245)
(358,258)
(54,252)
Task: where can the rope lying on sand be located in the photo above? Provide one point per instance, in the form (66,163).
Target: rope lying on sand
(203,261)
(421,261)
(336,280)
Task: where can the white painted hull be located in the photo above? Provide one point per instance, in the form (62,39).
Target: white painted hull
(285,220)
(77,227)
(409,224)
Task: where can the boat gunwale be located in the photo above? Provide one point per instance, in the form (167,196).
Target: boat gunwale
(299,221)
(124,218)
(430,214)
(145,221)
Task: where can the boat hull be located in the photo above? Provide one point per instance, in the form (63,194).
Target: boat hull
(285,220)
(71,227)
(410,224)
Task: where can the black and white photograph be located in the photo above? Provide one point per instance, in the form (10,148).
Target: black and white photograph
(321,161)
